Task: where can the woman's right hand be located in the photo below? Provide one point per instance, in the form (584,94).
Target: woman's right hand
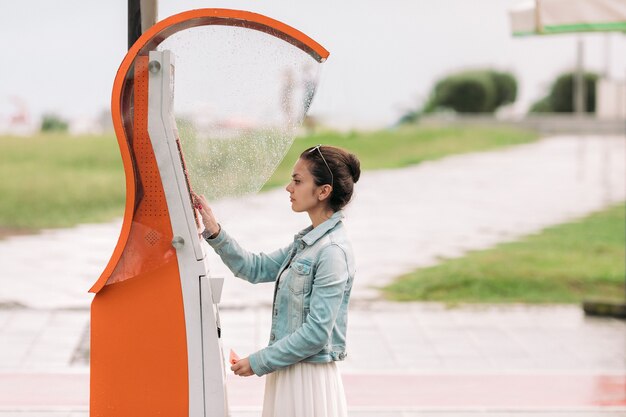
(208,219)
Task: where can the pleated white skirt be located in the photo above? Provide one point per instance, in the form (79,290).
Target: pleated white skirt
(305,390)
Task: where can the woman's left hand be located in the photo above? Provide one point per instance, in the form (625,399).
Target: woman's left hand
(208,218)
(242,367)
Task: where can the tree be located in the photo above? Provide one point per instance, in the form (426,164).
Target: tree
(476,91)
(562,92)
(53,123)
(541,106)
(560,99)
(506,87)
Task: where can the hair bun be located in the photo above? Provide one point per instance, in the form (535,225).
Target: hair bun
(355,167)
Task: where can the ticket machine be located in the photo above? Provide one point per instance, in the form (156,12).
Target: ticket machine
(155,328)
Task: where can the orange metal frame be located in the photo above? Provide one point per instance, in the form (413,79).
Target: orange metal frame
(138,337)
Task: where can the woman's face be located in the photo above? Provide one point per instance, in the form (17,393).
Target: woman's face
(303,193)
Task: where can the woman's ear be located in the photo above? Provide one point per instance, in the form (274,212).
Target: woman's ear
(325,192)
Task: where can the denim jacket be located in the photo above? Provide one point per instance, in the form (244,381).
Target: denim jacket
(310,308)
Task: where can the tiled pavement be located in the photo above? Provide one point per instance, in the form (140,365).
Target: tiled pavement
(404,360)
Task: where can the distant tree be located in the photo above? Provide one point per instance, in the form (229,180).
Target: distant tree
(561,96)
(541,106)
(53,123)
(562,92)
(409,117)
(476,91)
(506,87)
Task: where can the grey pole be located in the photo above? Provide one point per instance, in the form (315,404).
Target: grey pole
(579,80)
(142,14)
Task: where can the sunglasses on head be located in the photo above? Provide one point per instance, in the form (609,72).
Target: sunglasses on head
(326,163)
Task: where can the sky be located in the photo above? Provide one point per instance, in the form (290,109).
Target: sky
(385,56)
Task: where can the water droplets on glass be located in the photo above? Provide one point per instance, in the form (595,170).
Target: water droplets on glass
(241,96)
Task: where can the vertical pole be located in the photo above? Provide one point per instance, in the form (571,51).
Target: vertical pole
(579,80)
(578,106)
(142,14)
(134,21)
(607,55)
(149,13)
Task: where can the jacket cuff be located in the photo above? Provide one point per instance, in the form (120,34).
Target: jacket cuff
(258,366)
(219,240)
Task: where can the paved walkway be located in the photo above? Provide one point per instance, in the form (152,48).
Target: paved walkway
(405,359)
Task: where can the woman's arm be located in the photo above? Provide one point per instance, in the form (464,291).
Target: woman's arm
(329,285)
(250,266)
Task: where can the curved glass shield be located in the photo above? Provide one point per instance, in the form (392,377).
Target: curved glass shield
(240,85)
(240,97)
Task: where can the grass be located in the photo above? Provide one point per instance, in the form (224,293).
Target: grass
(562,264)
(59,180)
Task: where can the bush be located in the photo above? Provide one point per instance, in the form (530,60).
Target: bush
(561,96)
(479,91)
(411,116)
(506,87)
(562,93)
(53,123)
(541,106)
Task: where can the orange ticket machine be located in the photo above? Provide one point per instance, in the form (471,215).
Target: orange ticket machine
(155,331)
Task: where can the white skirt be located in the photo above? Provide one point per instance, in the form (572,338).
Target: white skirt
(305,390)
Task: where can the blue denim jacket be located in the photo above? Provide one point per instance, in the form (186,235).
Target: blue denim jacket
(310,308)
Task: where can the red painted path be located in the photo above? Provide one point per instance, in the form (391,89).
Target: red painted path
(511,391)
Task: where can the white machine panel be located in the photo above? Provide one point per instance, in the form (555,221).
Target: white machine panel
(207,392)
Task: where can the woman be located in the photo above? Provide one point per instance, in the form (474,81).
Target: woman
(313,278)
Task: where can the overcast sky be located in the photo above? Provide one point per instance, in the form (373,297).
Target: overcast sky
(61,56)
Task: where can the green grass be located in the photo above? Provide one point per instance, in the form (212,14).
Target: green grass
(562,264)
(404,146)
(59,180)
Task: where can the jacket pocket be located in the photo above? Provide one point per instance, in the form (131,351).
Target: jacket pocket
(300,279)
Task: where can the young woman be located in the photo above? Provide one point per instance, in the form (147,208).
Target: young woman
(313,276)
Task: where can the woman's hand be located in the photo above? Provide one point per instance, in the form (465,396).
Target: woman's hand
(242,367)
(208,219)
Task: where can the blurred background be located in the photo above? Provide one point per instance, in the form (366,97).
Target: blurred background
(494,163)
(385,56)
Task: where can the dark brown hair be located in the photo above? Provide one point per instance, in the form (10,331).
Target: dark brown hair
(344,166)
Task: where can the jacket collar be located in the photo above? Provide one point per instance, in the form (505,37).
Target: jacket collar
(311,235)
